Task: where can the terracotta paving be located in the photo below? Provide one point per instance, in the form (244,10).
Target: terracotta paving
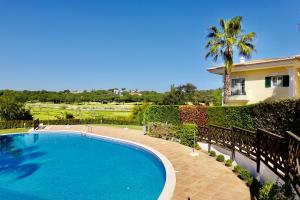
(200,178)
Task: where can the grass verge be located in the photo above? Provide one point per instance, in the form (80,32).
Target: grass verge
(13,130)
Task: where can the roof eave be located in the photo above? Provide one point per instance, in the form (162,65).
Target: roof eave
(256,66)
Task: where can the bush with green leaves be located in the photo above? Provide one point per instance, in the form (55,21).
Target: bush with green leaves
(186,134)
(137,113)
(161,130)
(246,176)
(164,114)
(274,191)
(237,168)
(220,158)
(228,163)
(212,153)
(13,109)
(69,115)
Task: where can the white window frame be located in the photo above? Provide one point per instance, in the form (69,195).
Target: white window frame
(242,93)
(278,83)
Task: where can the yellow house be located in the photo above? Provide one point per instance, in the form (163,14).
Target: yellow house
(257,80)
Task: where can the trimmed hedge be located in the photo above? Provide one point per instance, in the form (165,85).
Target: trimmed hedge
(30,123)
(193,114)
(227,116)
(118,121)
(16,124)
(278,116)
(163,114)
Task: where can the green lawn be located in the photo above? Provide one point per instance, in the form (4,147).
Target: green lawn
(14,130)
(51,111)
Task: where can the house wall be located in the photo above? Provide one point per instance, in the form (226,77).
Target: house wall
(255,85)
(297,86)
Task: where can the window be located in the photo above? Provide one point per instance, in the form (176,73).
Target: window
(277,81)
(238,86)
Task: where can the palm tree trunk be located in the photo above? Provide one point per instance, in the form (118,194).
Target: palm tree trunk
(227,86)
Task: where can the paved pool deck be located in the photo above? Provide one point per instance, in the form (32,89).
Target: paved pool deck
(200,178)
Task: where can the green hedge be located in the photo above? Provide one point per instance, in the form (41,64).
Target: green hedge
(16,124)
(278,116)
(163,114)
(227,116)
(118,121)
(29,123)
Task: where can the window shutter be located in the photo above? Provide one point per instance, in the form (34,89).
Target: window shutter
(286,81)
(268,82)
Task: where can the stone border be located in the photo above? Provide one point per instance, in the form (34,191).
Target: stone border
(170,183)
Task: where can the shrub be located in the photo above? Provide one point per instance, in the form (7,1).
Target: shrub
(12,109)
(246,176)
(220,158)
(186,133)
(137,113)
(212,153)
(160,130)
(69,115)
(267,191)
(193,114)
(237,168)
(163,114)
(270,191)
(228,163)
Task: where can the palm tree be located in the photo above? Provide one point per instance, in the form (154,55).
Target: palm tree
(223,43)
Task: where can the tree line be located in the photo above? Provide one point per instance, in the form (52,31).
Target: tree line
(12,103)
(177,95)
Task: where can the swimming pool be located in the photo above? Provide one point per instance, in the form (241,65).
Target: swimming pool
(62,165)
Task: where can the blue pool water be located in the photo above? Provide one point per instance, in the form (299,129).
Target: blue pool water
(71,166)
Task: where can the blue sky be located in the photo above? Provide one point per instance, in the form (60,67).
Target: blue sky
(144,44)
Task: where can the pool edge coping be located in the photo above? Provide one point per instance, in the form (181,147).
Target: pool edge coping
(170,183)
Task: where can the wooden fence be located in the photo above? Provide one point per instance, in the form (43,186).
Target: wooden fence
(279,153)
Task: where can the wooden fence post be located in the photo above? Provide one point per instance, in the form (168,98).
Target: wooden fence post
(232,157)
(258,150)
(286,157)
(209,138)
